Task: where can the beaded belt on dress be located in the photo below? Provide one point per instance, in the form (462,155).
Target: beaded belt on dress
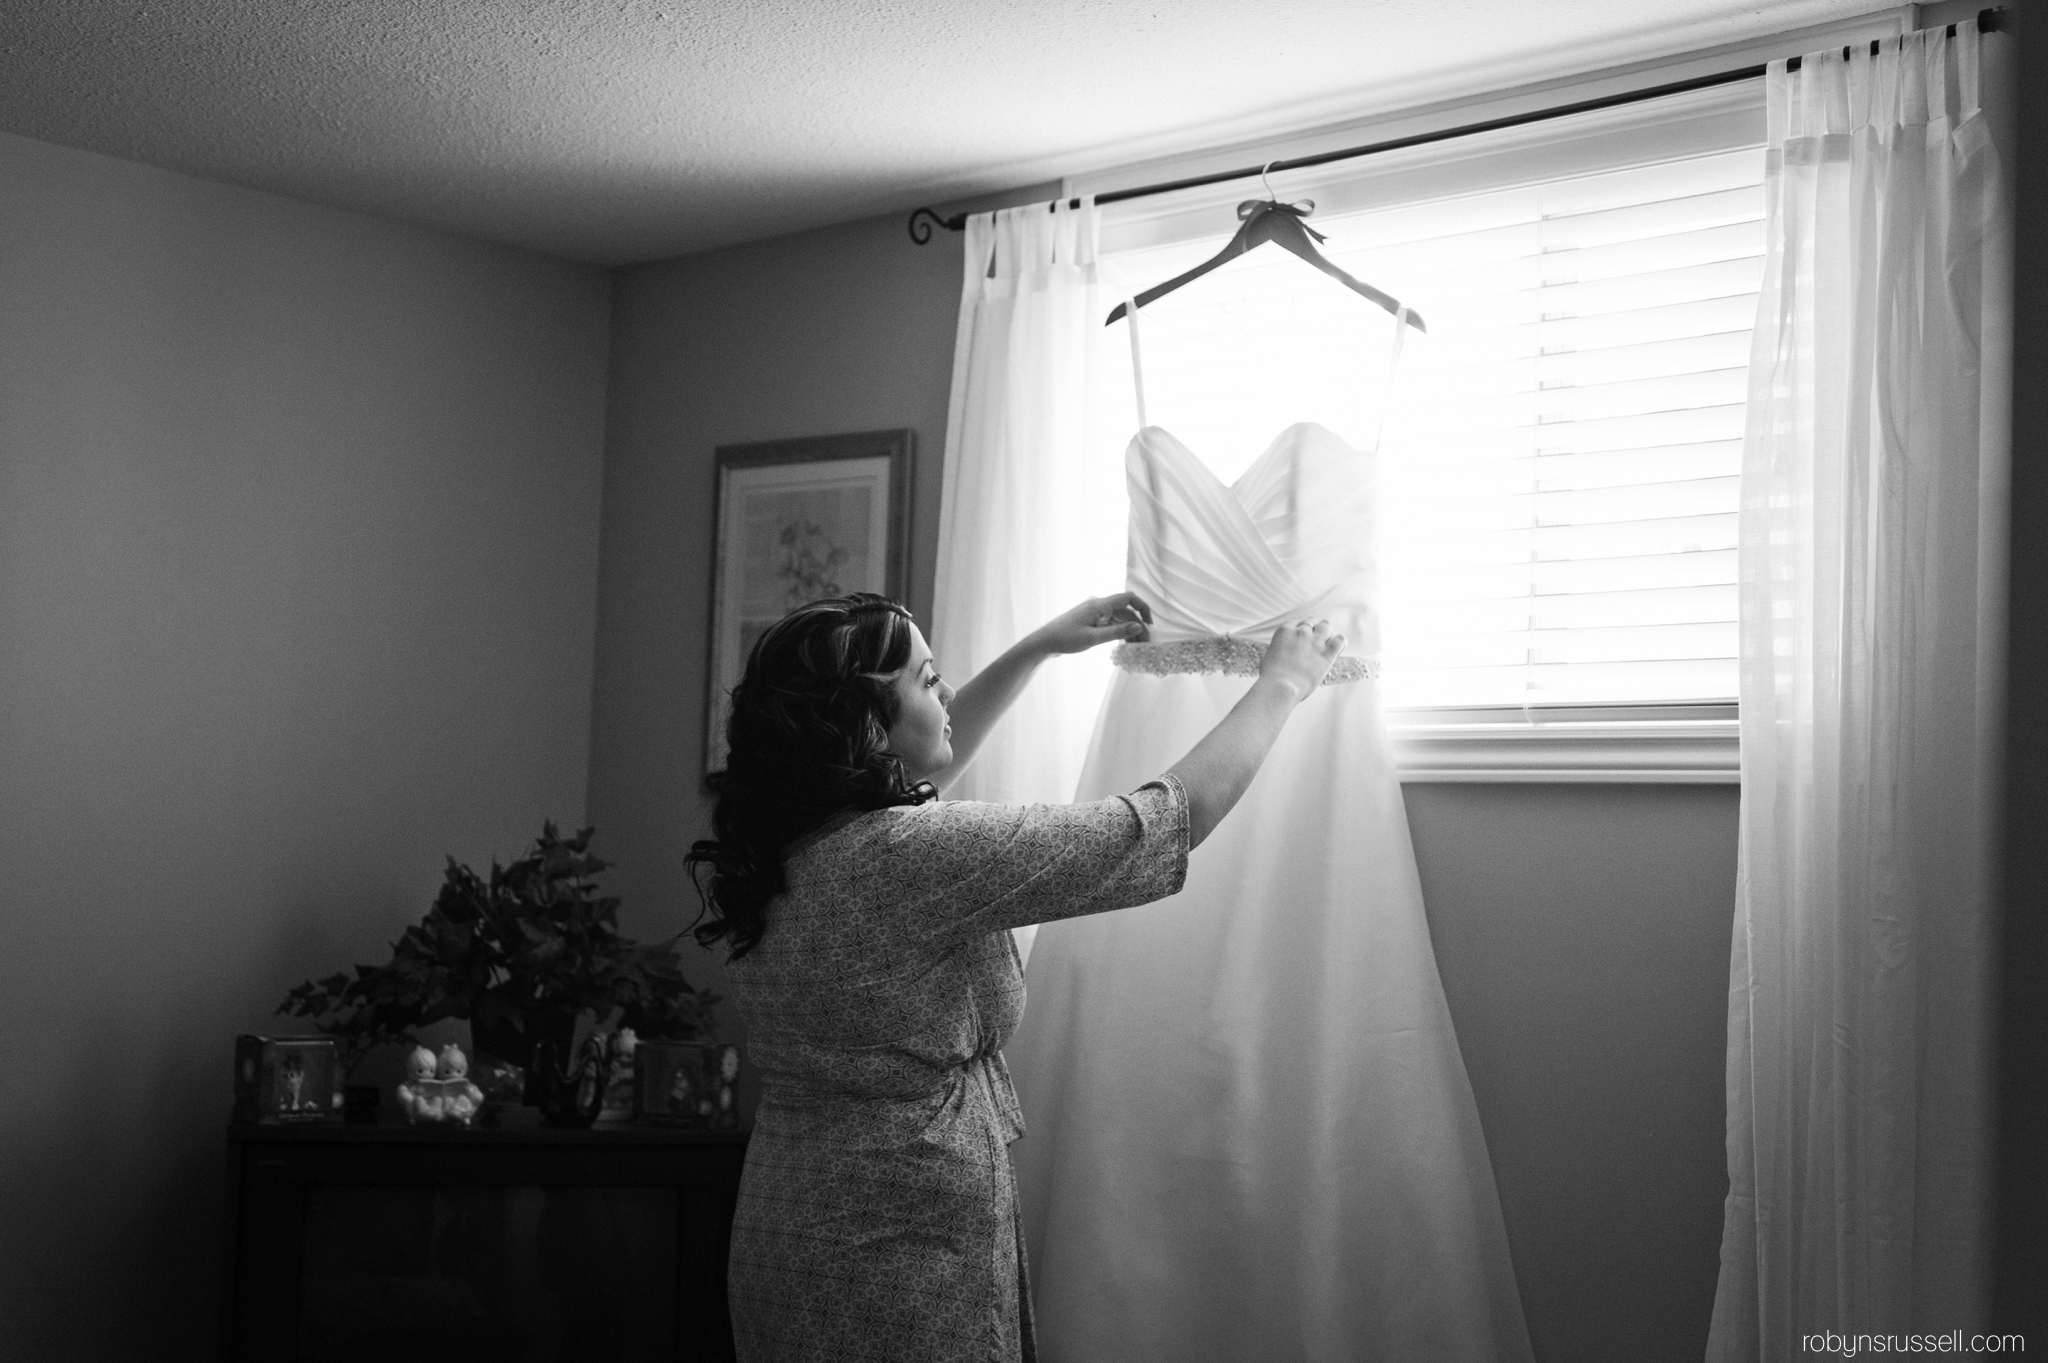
(1231,656)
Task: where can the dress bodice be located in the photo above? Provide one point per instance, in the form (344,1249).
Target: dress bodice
(1291,538)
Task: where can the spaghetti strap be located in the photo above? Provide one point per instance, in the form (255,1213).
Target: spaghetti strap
(1137,360)
(1401,317)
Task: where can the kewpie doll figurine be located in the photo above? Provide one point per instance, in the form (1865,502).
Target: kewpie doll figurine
(460,1099)
(420,1100)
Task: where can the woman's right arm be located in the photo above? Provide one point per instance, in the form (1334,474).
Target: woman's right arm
(1217,771)
(961,867)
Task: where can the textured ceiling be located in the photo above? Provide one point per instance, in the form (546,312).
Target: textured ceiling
(636,129)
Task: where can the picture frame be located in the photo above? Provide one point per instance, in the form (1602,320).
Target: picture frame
(797,520)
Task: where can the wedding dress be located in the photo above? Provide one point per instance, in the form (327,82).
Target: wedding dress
(1251,1135)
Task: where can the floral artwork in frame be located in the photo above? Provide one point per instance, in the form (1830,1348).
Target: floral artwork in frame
(799,520)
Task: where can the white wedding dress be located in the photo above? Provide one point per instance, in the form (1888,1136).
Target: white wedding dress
(1250,1135)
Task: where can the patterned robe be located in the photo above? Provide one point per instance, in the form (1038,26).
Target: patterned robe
(877,1215)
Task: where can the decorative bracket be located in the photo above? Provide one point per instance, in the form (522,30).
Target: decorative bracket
(923,220)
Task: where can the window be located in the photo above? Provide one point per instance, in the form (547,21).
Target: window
(1561,450)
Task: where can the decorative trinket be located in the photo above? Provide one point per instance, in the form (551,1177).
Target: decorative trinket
(286,1079)
(678,1083)
(439,1090)
(618,1088)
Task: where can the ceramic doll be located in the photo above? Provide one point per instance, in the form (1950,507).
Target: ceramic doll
(460,1099)
(728,1081)
(618,1089)
(418,1098)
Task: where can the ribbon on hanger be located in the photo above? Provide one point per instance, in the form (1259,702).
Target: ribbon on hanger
(1300,208)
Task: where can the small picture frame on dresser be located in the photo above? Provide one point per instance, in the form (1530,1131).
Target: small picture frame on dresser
(669,1084)
(287,1080)
(686,1084)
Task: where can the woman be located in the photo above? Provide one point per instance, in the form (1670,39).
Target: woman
(868,929)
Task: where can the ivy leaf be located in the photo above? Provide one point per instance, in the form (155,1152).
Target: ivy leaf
(532,935)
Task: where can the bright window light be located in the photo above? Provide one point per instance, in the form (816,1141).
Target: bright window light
(1558,484)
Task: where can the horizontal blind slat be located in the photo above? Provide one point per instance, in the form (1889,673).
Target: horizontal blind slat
(1555,366)
(1586,644)
(1629,606)
(1554,577)
(1672,535)
(1723,314)
(1626,504)
(1651,236)
(1619,683)
(1393,226)
(1648,431)
(1585,403)
(1421,481)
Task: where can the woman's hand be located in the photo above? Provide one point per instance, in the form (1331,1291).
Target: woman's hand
(1098,620)
(1218,770)
(981,702)
(1300,656)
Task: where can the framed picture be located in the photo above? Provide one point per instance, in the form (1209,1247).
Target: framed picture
(799,520)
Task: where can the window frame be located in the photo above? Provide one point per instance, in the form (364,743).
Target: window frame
(1661,743)
(1666,743)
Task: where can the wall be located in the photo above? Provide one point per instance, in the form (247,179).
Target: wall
(2021,1162)
(847,328)
(298,555)
(1582,931)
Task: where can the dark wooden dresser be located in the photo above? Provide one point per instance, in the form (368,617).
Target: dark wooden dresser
(399,1242)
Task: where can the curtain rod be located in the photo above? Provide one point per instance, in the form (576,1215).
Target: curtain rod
(922,220)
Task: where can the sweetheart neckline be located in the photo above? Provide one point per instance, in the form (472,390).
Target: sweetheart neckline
(1263,455)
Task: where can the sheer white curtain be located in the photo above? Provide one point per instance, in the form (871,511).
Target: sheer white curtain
(1032,518)
(1872,566)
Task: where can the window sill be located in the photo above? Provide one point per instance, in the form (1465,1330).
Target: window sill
(1635,744)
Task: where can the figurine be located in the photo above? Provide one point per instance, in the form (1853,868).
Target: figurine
(294,1083)
(624,1042)
(460,1099)
(420,1100)
(618,1088)
(440,1090)
(728,1080)
(681,1092)
(590,1076)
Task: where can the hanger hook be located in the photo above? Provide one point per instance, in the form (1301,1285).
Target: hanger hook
(1268,183)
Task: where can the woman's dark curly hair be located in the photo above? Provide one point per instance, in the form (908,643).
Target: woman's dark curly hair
(808,739)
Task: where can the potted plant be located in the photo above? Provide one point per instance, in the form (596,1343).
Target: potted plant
(519,955)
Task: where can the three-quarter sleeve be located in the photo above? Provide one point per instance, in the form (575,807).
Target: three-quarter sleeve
(967,867)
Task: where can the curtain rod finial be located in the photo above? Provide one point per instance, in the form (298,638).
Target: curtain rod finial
(923,220)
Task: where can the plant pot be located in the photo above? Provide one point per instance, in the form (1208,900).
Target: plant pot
(573,1087)
(539,1051)
(565,1074)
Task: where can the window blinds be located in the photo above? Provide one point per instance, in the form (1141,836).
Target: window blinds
(1561,451)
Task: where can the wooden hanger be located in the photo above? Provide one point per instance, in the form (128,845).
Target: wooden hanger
(1267,220)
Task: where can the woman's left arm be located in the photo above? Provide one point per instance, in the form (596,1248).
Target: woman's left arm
(984,698)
